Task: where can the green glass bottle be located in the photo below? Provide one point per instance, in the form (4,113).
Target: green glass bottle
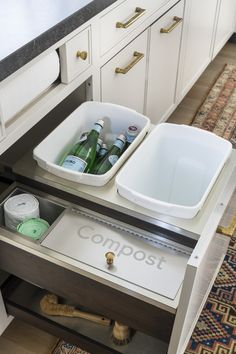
(102,151)
(85,153)
(71,150)
(111,156)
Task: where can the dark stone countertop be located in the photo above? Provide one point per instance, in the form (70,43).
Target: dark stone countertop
(28,27)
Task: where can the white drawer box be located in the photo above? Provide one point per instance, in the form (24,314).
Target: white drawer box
(116,24)
(76,55)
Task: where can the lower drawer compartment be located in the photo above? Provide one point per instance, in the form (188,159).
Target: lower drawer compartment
(22,300)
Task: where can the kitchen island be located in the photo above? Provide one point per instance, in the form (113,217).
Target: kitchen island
(161,323)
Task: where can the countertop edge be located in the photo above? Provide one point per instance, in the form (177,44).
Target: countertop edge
(25,54)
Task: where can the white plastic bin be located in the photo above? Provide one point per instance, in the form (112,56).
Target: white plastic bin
(116,120)
(174,169)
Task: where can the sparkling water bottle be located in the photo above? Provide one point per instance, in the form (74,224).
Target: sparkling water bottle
(102,151)
(83,158)
(130,134)
(111,156)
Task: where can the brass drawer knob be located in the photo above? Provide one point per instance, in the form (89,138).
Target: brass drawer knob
(82,55)
(110,256)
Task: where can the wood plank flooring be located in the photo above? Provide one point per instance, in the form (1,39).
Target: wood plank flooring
(186,110)
(21,338)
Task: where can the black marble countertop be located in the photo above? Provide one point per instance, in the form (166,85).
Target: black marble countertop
(28,27)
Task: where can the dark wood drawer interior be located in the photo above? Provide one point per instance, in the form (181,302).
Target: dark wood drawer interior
(22,300)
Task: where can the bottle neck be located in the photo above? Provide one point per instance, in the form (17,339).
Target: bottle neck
(119,144)
(97,127)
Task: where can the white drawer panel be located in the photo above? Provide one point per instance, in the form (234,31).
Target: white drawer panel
(127,13)
(85,239)
(76,55)
(116,85)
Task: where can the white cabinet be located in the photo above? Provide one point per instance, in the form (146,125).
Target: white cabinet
(196,42)
(225,23)
(75,55)
(123,77)
(123,19)
(126,80)
(163,64)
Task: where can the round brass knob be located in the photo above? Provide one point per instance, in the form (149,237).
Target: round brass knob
(82,55)
(110,258)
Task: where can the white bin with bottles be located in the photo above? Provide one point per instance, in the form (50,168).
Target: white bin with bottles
(116,120)
(174,169)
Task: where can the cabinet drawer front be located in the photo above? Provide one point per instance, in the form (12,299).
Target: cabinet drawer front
(75,55)
(127,89)
(116,24)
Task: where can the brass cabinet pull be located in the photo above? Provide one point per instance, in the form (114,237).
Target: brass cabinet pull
(177,21)
(138,13)
(138,56)
(228,231)
(82,55)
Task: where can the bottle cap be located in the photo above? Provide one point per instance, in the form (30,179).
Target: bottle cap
(100,142)
(104,146)
(100,122)
(34,228)
(122,138)
(132,130)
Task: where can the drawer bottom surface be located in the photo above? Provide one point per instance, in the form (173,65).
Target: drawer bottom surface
(22,300)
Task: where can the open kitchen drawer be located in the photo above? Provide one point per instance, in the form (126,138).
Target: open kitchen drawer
(160,316)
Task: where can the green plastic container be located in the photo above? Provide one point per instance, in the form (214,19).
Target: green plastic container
(33,228)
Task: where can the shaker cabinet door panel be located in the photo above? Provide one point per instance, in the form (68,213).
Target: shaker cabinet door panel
(225,24)
(163,64)
(196,44)
(123,77)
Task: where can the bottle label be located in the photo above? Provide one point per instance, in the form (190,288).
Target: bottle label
(102,152)
(112,159)
(74,163)
(119,143)
(97,127)
(130,138)
(82,138)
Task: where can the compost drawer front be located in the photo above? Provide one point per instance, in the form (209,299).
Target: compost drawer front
(22,300)
(87,292)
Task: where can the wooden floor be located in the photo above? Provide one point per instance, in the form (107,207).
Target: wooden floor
(20,338)
(186,110)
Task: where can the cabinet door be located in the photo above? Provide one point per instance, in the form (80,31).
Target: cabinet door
(225,24)
(123,77)
(196,44)
(163,64)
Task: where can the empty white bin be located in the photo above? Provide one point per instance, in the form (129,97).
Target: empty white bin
(174,169)
(116,120)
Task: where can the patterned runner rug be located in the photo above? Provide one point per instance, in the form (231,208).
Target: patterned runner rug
(218,111)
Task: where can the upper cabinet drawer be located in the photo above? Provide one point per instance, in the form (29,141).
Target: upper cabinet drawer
(117,23)
(76,55)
